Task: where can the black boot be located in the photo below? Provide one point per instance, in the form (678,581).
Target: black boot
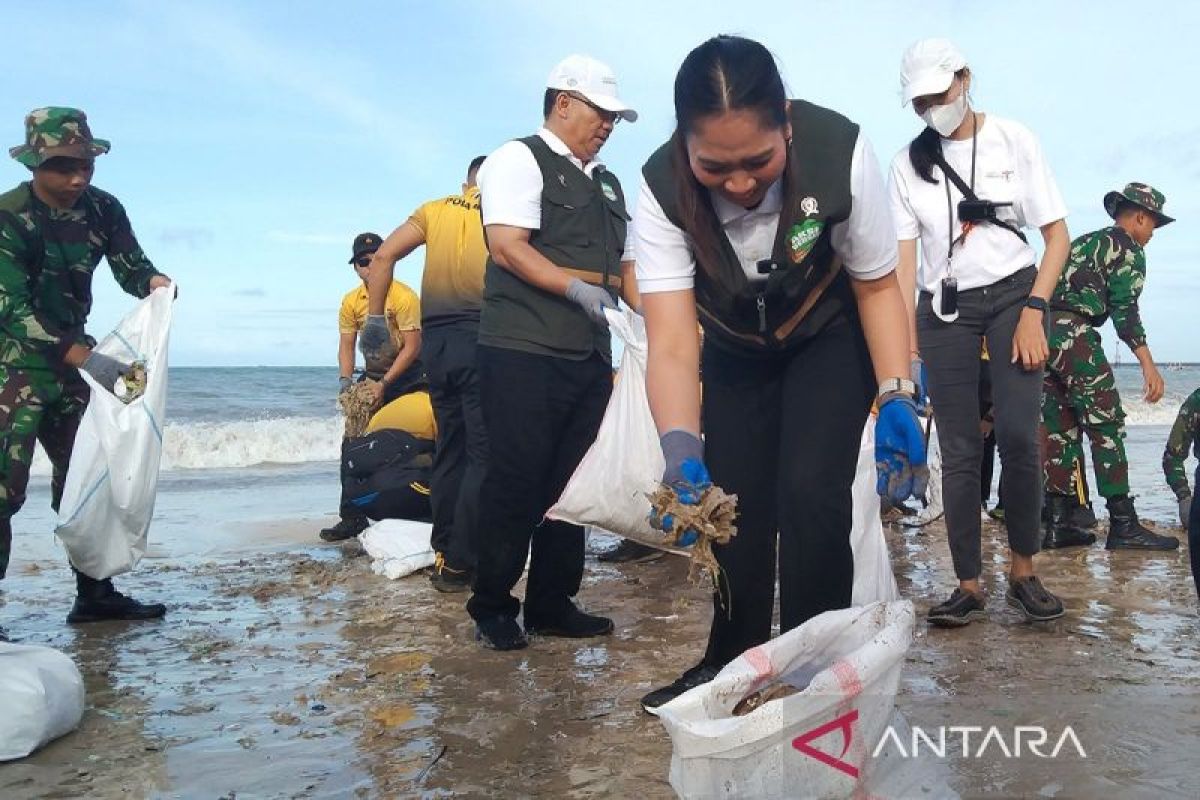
(98,601)
(1058,526)
(346,528)
(1082,516)
(1126,533)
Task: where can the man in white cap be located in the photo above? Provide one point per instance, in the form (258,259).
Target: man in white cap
(556,226)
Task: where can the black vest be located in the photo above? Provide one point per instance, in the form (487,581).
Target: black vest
(806,289)
(582,231)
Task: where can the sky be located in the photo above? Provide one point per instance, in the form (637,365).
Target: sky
(252,141)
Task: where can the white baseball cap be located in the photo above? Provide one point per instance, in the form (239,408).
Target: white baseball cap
(928,67)
(591,78)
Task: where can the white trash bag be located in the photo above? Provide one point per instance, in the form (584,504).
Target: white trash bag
(625,464)
(108,499)
(815,743)
(41,692)
(398,547)
(873,578)
(933,509)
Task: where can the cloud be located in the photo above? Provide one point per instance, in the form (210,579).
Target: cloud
(193,238)
(251,58)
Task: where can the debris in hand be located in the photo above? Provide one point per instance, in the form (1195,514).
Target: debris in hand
(712,520)
(358,404)
(132,384)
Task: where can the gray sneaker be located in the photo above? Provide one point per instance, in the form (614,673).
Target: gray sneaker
(1028,596)
(961,609)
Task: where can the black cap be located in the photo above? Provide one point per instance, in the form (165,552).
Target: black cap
(365,243)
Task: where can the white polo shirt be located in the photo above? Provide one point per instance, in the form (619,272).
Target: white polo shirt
(1009,167)
(866,240)
(510,185)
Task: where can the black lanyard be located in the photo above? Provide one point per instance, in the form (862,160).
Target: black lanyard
(950,240)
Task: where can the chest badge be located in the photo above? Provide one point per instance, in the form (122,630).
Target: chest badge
(562,179)
(809,206)
(802,236)
(607,189)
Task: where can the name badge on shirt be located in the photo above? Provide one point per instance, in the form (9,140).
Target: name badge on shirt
(802,237)
(608,191)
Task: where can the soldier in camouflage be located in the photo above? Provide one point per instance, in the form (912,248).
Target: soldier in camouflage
(54,229)
(1183,438)
(1103,278)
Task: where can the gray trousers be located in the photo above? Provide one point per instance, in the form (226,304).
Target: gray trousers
(951,354)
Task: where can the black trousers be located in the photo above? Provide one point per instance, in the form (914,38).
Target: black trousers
(783,434)
(542,414)
(460,460)
(951,354)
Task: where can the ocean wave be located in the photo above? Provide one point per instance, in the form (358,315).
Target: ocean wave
(242,443)
(299,440)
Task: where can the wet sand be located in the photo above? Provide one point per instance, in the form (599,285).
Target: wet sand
(296,672)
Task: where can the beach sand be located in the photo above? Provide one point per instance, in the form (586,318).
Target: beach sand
(290,670)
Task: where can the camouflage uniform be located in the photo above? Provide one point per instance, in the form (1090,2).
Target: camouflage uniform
(1103,277)
(47,257)
(1183,436)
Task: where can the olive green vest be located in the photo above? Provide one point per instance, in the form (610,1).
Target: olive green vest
(582,231)
(805,288)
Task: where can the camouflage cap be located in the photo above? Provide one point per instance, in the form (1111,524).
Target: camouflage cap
(1140,194)
(55,131)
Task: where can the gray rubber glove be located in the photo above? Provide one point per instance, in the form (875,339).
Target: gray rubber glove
(105,369)
(592,299)
(343,384)
(1185,509)
(373,336)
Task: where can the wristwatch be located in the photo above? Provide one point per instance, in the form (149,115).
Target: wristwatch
(897,385)
(1036,303)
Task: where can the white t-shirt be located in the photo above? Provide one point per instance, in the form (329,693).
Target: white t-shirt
(865,240)
(1009,167)
(510,185)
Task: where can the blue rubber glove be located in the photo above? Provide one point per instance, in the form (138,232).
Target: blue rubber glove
(373,336)
(917,370)
(686,474)
(900,450)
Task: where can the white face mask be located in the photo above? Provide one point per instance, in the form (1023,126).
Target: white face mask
(946,119)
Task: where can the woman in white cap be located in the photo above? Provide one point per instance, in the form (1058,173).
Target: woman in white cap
(965,188)
(768,219)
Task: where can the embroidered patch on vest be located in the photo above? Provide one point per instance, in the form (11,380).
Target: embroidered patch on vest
(802,237)
(607,188)
(809,206)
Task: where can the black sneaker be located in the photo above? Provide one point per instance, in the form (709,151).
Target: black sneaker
(500,633)
(571,624)
(961,609)
(447,579)
(346,528)
(112,605)
(1028,596)
(630,552)
(696,676)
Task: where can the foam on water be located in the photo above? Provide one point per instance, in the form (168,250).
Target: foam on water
(242,443)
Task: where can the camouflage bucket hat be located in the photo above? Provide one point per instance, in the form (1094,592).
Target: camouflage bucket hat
(1140,194)
(54,131)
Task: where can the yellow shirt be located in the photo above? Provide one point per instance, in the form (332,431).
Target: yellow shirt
(455,256)
(403,312)
(412,413)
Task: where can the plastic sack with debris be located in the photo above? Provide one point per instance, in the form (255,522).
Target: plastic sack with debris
(797,716)
(108,498)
